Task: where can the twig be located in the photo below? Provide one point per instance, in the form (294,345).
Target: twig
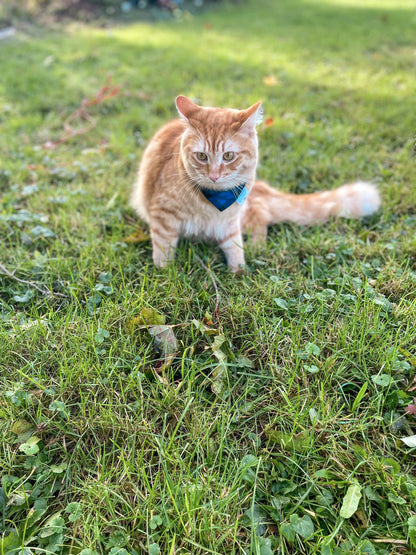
(44,291)
(103,94)
(390,540)
(217,295)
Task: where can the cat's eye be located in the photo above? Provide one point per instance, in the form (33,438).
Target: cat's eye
(202,156)
(227,156)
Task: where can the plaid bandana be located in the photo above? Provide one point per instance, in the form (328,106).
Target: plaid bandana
(224,199)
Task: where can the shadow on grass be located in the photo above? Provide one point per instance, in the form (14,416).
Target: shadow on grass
(321,53)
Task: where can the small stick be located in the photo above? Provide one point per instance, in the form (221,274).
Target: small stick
(102,95)
(45,291)
(390,540)
(217,295)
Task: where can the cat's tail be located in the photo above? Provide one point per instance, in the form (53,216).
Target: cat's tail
(268,206)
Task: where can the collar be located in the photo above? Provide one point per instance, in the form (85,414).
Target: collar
(224,199)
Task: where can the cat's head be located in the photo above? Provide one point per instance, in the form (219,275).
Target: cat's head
(219,145)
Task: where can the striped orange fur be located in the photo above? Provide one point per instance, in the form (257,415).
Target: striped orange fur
(217,149)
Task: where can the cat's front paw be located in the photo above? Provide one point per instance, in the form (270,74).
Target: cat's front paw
(237,270)
(161,259)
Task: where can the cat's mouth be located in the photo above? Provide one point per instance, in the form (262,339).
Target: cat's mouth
(222,184)
(216,186)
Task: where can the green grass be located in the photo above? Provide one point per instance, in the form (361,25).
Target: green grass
(247,447)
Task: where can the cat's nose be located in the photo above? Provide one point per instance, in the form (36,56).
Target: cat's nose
(214,177)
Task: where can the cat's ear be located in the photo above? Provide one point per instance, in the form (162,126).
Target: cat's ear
(251,117)
(185,106)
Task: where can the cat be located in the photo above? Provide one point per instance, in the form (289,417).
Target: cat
(197,178)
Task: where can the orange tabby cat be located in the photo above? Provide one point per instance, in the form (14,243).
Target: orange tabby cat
(197,179)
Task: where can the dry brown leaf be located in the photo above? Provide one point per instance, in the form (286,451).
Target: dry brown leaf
(411,409)
(143,96)
(270,81)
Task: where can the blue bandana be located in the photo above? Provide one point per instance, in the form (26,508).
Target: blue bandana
(224,199)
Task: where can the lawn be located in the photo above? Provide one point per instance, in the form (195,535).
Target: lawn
(268,415)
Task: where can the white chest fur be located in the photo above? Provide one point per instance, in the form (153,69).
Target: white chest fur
(212,225)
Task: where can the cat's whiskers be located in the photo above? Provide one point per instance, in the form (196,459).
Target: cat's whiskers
(189,189)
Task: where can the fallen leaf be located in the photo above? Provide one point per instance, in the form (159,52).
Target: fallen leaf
(361,517)
(217,350)
(268,122)
(143,95)
(219,379)
(204,329)
(138,236)
(48,61)
(147,317)
(48,145)
(222,352)
(207,319)
(21,427)
(270,81)
(410,441)
(220,372)
(165,344)
(411,409)
(165,340)
(351,501)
